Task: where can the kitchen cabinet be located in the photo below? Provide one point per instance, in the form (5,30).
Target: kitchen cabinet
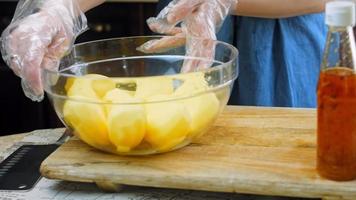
(112,19)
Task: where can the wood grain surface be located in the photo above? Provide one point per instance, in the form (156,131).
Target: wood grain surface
(267,151)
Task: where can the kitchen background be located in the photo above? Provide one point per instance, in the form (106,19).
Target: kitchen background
(113,19)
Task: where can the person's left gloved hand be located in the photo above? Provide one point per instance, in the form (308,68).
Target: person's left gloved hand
(199,18)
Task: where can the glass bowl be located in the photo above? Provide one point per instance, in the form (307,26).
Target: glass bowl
(123,101)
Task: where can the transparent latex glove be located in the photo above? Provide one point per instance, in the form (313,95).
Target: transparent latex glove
(199,18)
(40,33)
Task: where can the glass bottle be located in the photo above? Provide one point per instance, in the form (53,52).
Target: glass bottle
(336,112)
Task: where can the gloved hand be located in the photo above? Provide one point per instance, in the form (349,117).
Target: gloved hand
(199,18)
(40,33)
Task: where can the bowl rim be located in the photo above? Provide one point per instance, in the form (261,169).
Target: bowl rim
(231,47)
(232,58)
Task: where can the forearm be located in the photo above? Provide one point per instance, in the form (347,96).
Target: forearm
(278,8)
(86,5)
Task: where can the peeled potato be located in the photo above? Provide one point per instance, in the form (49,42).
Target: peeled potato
(168,123)
(101,84)
(120,122)
(192,83)
(91,85)
(203,108)
(148,87)
(118,96)
(88,120)
(81,87)
(69,83)
(126,123)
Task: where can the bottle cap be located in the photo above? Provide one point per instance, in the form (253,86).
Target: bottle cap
(340,13)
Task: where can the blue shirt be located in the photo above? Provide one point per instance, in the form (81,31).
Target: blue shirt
(279,59)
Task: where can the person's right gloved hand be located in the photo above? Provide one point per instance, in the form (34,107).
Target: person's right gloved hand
(40,33)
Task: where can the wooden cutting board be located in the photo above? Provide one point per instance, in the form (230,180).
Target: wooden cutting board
(267,151)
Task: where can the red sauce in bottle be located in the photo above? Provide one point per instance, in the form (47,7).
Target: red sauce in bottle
(336,147)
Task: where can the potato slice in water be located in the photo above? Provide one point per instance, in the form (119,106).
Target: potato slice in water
(192,83)
(126,123)
(88,120)
(81,87)
(148,87)
(168,123)
(101,84)
(69,84)
(203,108)
(97,83)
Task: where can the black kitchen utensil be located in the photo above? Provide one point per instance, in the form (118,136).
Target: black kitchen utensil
(20,170)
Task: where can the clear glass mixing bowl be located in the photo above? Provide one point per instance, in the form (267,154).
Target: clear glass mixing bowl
(120,100)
